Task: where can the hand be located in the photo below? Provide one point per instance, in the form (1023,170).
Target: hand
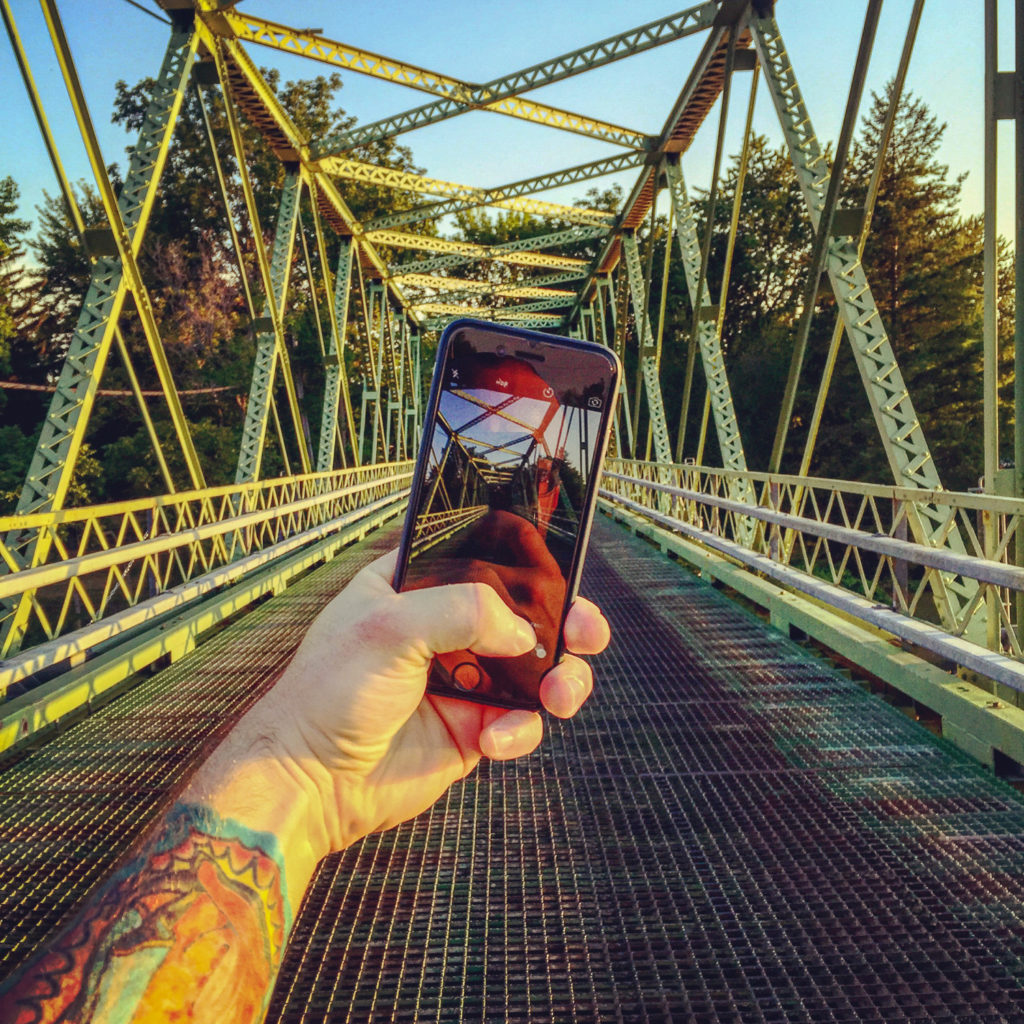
(350,715)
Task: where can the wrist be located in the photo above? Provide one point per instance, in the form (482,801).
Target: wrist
(252,780)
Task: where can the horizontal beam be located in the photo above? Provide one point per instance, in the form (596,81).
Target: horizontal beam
(500,196)
(467,252)
(465,284)
(509,252)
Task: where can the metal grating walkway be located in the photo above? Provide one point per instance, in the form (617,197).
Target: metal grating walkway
(730,831)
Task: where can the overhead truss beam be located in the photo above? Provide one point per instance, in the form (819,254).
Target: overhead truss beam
(509,196)
(508,87)
(328,51)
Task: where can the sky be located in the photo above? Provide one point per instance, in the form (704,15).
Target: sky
(475,41)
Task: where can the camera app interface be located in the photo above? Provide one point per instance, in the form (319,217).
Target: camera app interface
(515,439)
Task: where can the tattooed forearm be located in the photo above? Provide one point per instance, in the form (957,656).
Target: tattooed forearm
(192,929)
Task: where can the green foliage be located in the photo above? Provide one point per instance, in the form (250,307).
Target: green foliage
(12,255)
(15,451)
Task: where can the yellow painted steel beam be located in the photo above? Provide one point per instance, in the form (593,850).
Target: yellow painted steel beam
(328,51)
(460,309)
(390,177)
(351,58)
(427,243)
(227,591)
(342,218)
(466,284)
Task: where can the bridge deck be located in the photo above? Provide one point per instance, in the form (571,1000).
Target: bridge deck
(730,831)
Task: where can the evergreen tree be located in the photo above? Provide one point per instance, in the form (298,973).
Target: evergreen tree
(924,265)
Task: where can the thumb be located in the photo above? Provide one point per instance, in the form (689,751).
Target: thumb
(461,616)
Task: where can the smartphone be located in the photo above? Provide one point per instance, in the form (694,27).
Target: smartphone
(514,437)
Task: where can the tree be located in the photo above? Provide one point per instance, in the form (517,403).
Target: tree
(925,269)
(12,255)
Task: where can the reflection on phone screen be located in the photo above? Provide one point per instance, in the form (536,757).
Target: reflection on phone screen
(501,501)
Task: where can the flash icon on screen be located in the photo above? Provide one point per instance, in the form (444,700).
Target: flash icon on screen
(501,383)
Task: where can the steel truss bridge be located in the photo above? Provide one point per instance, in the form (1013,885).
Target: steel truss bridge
(736,830)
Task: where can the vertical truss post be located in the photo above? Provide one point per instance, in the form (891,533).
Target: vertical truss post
(619,309)
(374,307)
(587,321)
(334,363)
(1017,114)
(399,337)
(906,448)
(648,352)
(416,384)
(270,341)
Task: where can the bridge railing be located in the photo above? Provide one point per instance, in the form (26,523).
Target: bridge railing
(846,545)
(115,570)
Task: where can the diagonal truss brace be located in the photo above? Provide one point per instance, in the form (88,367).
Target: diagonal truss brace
(52,466)
(909,456)
(334,371)
(270,343)
(709,335)
(317,47)
(648,351)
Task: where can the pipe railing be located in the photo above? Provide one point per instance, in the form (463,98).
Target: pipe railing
(846,545)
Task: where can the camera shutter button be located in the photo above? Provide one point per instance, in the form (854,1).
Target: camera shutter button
(467,675)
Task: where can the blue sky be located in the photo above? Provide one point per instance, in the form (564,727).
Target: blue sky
(478,41)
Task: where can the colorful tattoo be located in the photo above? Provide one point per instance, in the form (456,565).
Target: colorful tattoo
(192,929)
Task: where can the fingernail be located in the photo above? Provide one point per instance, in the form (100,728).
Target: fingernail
(525,635)
(579,689)
(502,740)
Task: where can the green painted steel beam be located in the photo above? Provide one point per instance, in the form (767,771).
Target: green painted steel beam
(270,344)
(909,456)
(709,336)
(648,351)
(526,186)
(625,44)
(539,305)
(334,370)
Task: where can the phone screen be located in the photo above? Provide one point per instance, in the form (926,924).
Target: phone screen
(505,489)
